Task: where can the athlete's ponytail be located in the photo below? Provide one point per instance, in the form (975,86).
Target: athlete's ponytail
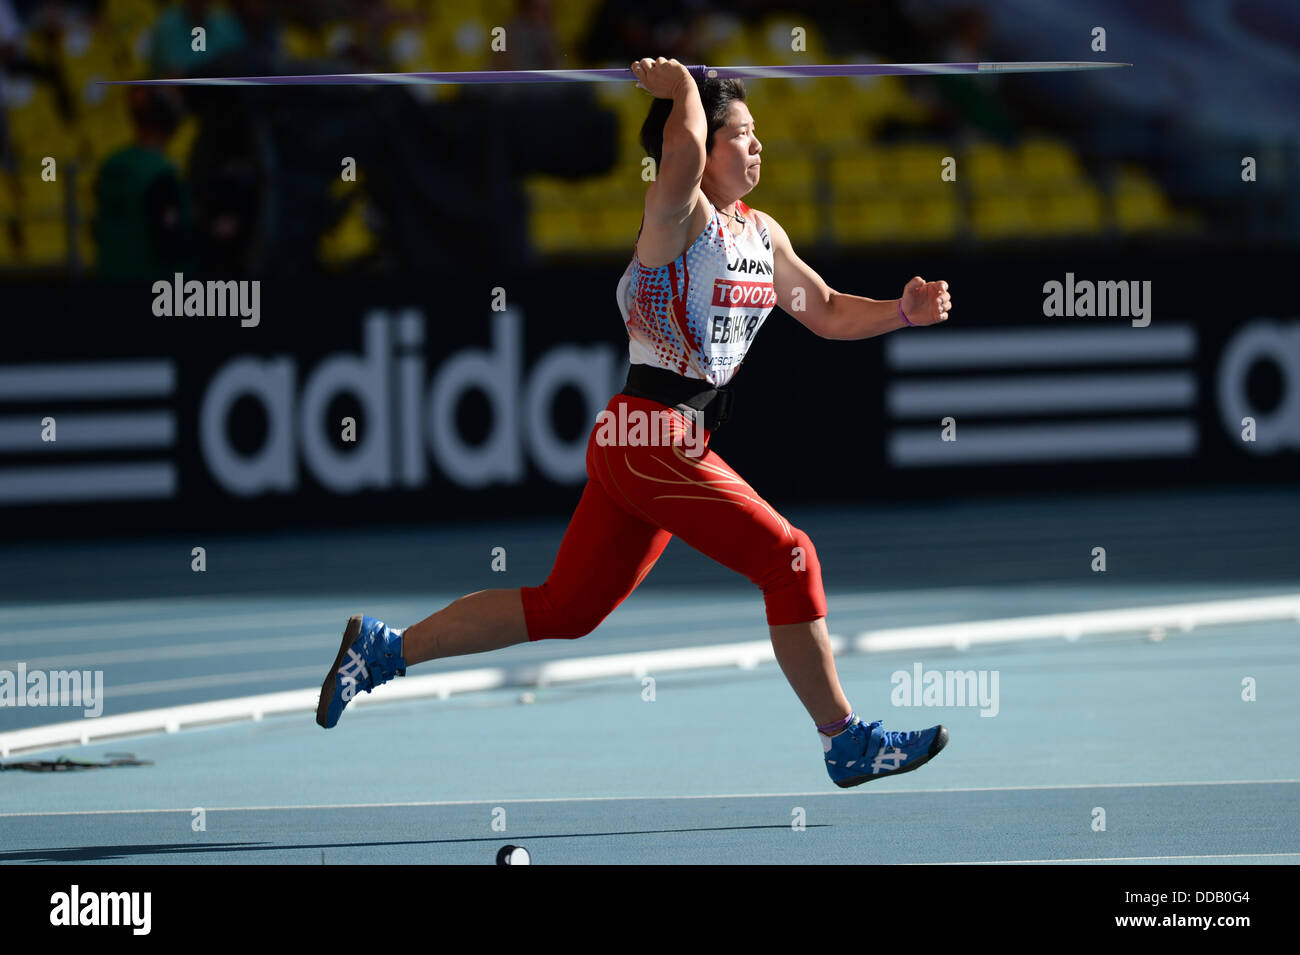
(716,96)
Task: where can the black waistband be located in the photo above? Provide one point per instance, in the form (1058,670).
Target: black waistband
(677,391)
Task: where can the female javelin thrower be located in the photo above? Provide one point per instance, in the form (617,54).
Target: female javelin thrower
(707,270)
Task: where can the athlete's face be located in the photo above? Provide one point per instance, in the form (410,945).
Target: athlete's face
(733,163)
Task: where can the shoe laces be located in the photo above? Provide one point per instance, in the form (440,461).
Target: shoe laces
(888,738)
(898,738)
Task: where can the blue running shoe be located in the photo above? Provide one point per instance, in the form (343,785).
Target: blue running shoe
(370,656)
(864,751)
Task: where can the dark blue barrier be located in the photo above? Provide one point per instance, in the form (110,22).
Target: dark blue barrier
(464,412)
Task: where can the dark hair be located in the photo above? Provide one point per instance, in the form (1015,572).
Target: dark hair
(717,97)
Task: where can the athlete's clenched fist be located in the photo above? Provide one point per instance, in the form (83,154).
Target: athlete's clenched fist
(926,303)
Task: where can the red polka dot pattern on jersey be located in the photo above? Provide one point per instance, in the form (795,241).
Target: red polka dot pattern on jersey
(698,315)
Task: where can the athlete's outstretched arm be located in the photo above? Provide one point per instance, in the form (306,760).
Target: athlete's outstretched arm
(809,300)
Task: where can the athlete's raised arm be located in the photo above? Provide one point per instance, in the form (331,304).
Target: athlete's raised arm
(672,195)
(830,314)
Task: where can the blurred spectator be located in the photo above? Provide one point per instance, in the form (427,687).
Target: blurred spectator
(530,38)
(882,27)
(144,224)
(171,51)
(44,25)
(970,102)
(241,200)
(232,165)
(259,22)
(625,30)
(10,40)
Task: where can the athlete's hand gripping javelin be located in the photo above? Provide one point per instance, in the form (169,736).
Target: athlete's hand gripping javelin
(660,77)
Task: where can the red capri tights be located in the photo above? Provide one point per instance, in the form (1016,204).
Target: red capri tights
(640,492)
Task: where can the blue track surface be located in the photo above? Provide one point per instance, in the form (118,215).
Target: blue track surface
(719,765)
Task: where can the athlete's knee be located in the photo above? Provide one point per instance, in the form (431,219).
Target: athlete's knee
(549,618)
(792,582)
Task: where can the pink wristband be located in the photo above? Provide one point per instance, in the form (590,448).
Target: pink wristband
(903,316)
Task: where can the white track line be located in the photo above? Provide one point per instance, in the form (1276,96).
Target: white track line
(746,655)
(564,799)
(1071,626)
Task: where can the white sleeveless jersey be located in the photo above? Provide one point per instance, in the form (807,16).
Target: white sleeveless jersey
(698,314)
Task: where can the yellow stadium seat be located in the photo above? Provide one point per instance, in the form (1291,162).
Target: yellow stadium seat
(1139,211)
(882,218)
(84,64)
(546,191)
(496,12)
(914,164)
(1139,205)
(777,118)
(591,191)
(808,116)
(933,218)
(998,215)
(31,108)
(741,48)
(301,43)
(787,172)
(557,229)
(987,164)
(571,20)
(622,97)
(614,188)
(1077,211)
(854,172)
(46,241)
(819,114)
(872,100)
(106,111)
(799,218)
(129,14)
(470,44)
(407,47)
(848,221)
(1042,159)
(86,185)
(614,229)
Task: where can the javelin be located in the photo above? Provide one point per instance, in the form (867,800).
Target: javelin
(700,72)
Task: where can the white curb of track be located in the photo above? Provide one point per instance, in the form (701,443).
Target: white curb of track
(1069,626)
